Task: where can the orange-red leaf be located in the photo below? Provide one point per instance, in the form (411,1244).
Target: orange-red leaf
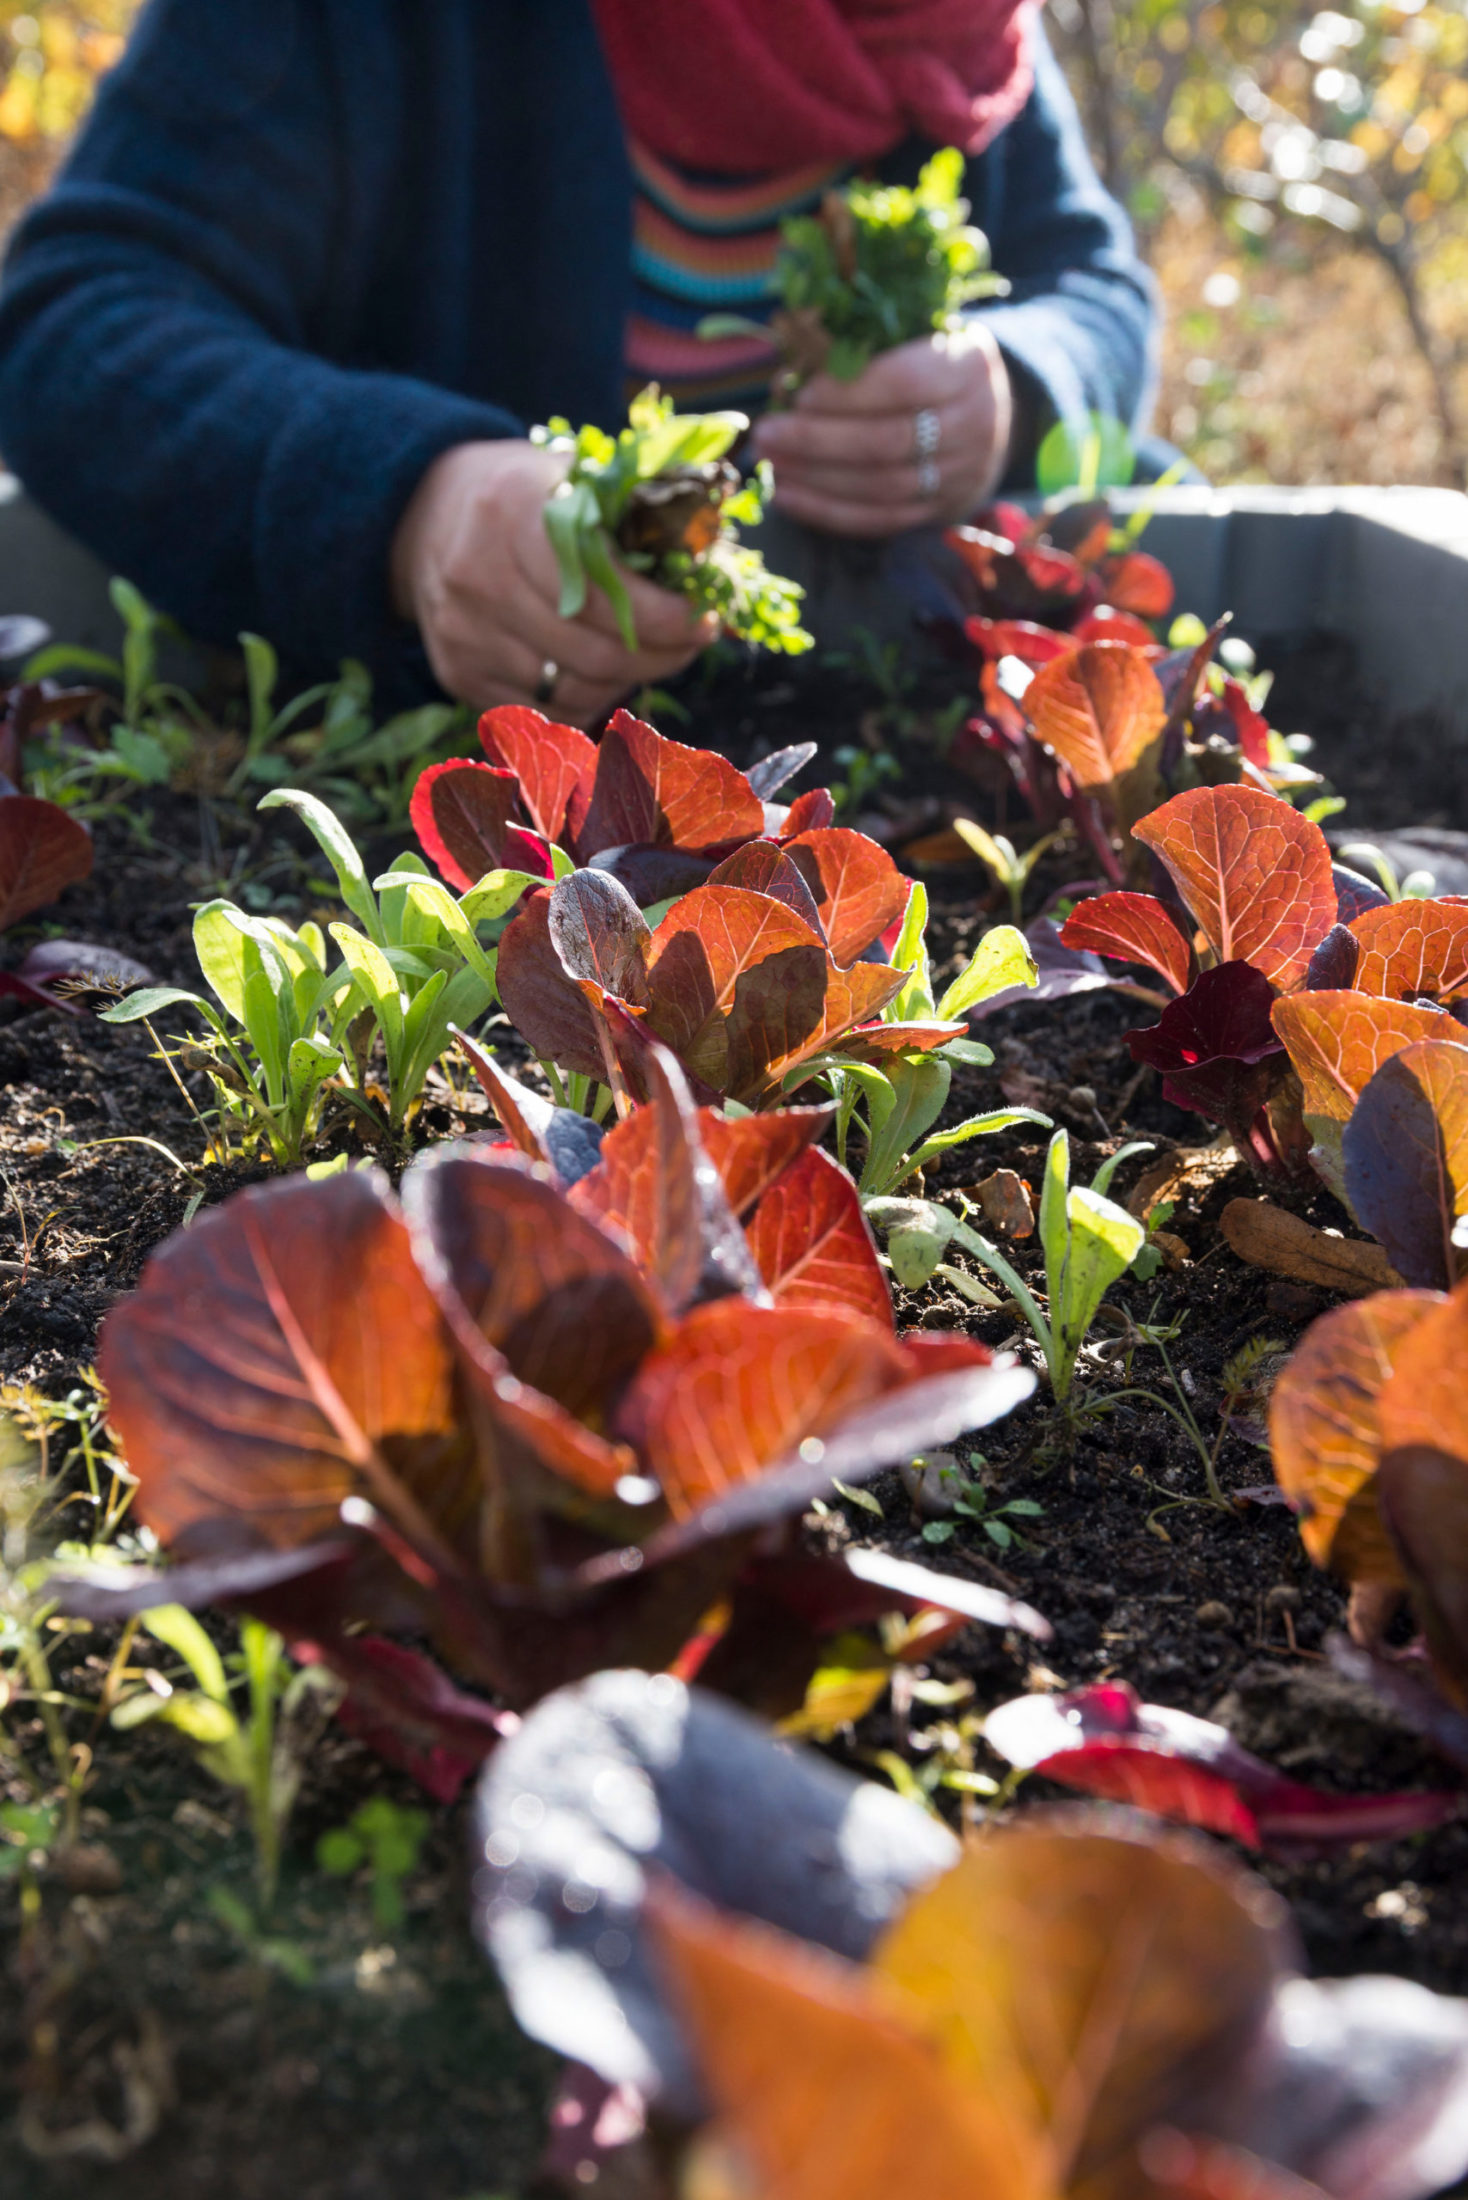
(823,2074)
(42,850)
(1137,582)
(858,889)
(1325,1429)
(655,791)
(1099,708)
(550,762)
(737,1387)
(1255,874)
(1338,1041)
(1131,928)
(267,1356)
(751,1152)
(1412,948)
(813,1245)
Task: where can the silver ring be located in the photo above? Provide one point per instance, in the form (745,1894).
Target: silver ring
(545,686)
(928,429)
(930,478)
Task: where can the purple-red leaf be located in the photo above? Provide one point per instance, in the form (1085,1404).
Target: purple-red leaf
(649,789)
(568,1143)
(463,814)
(42,851)
(762,867)
(1255,874)
(1132,928)
(547,1008)
(271,1359)
(403,1706)
(54,970)
(1106,1742)
(600,935)
(1216,1047)
(1405,1151)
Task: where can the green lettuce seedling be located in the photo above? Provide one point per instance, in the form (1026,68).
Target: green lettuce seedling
(894,1104)
(1089,1243)
(662,499)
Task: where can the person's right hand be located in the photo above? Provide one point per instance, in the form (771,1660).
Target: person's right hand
(473,566)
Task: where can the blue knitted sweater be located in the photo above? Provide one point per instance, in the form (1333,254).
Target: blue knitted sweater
(304,246)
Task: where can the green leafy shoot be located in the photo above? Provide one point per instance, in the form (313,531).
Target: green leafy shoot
(387,1838)
(289,1031)
(1089,1242)
(894,1105)
(879,265)
(1006,866)
(661,499)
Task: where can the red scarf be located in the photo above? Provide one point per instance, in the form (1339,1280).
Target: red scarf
(757,87)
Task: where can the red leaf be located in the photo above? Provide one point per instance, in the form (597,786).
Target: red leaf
(1255,874)
(809,812)
(1413,948)
(42,851)
(1251,727)
(553,765)
(649,789)
(567,1143)
(656,1186)
(1132,928)
(1338,1041)
(1216,1047)
(1137,583)
(1022,638)
(873,1042)
(737,983)
(738,1387)
(1099,709)
(269,1354)
(1109,625)
(762,868)
(462,813)
(858,888)
(813,1245)
(547,1008)
(1106,1742)
(407,1709)
(752,1152)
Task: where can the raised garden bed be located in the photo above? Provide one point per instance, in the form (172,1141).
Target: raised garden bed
(162,2033)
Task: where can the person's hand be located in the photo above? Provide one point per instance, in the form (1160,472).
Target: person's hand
(921,438)
(473,566)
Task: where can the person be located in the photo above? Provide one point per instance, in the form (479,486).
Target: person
(273,343)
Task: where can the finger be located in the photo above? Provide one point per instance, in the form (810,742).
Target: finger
(483,668)
(934,372)
(831,515)
(857,439)
(883,487)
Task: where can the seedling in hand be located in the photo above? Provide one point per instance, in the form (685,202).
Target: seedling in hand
(662,499)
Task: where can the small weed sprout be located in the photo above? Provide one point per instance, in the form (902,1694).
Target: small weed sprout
(388,1839)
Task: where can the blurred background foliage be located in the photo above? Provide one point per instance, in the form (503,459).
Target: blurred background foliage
(1298,176)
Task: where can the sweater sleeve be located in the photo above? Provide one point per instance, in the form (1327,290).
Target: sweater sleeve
(166,389)
(1080,320)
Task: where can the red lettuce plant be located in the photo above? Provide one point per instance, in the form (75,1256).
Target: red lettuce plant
(1369,1432)
(748,977)
(475,1413)
(657,815)
(1255,884)
(1016,2019)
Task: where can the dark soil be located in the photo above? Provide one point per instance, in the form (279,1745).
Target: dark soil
(395,2068)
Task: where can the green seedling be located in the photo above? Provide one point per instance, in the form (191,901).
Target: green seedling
(387,1839)
(971,1501)
(893,1106)
(1009,869)
(291,1029)
(1088,1241)
(1365,855)
(260,1753)
(863,773)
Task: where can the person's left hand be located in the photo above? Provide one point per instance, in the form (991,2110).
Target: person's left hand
(921,438)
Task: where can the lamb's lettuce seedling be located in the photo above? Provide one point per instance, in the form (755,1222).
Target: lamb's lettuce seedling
(662,499)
